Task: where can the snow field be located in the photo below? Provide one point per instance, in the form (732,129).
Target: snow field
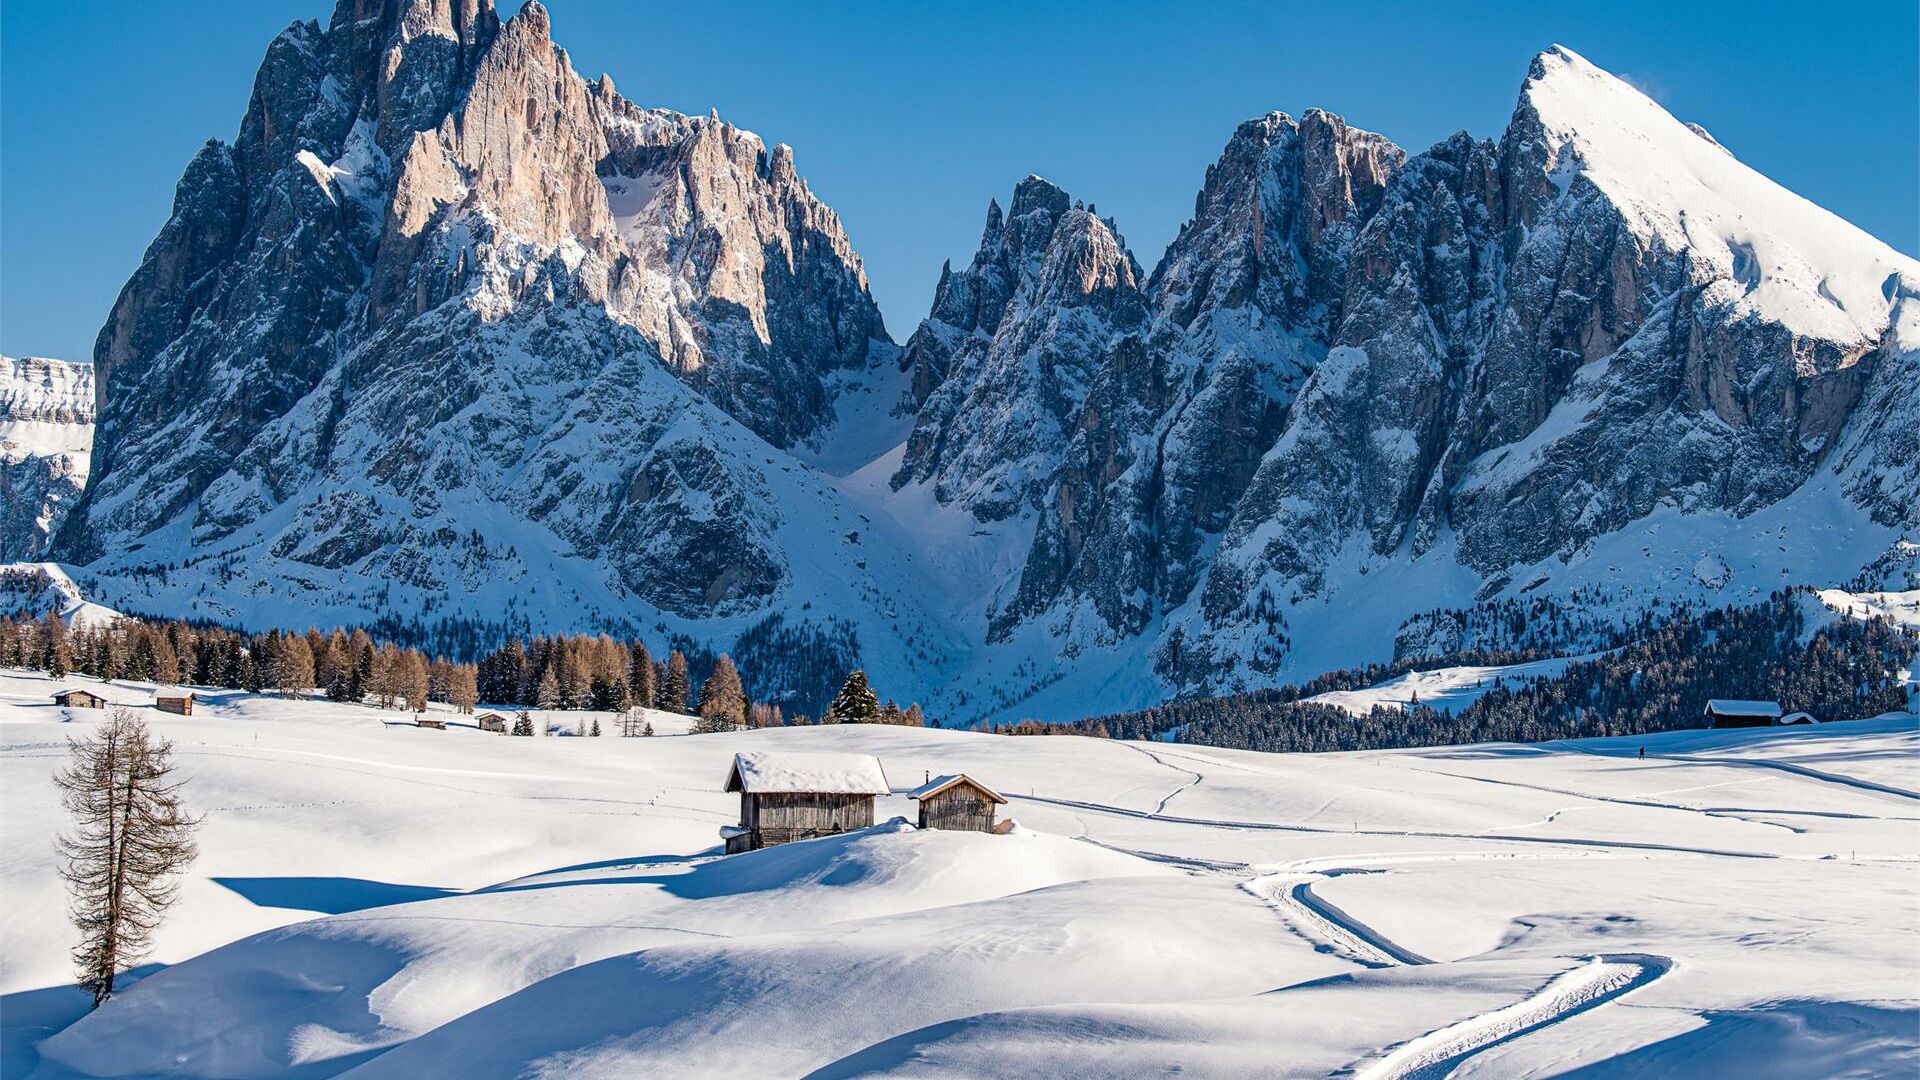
(374,899)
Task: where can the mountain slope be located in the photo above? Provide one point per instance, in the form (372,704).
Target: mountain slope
(451,336)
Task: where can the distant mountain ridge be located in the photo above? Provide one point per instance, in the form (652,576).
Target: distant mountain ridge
(450,333)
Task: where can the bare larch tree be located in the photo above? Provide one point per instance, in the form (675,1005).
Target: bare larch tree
(130,843)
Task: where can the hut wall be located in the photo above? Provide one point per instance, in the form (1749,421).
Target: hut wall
(1729,721)
(177,706)
(959,808)
(781,818)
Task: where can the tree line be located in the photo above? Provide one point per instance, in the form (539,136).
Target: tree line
(1845,670)
(546,672)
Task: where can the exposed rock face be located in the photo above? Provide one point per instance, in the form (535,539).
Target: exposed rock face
(451,333)
(1013,344)
(46,437)
(426,290)
(1485,358)
(1173,428)
(1539,347)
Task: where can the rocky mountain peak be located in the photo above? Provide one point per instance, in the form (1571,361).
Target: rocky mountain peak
(1012,346)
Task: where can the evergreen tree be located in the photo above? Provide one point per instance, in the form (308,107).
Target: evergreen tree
(856,703)
(594,731)
(673,688)
(523,724)
(54,654)
(640,678)
(549,695)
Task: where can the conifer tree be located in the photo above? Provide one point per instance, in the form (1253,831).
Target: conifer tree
(523,724)
(673,689)
(640,678)
(723,702)
(130,843)
(856,702)
(54,654)
(549,694)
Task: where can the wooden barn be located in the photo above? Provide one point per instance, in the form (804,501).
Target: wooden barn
(179,702)
(76,698)
(428,720)
(956,801)
(492,721)
(787,797)
(1732,713)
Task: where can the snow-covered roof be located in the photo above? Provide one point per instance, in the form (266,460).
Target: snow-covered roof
(1799,718)
(760,773)
(171,692)
(65,690)
(941,783)
(1737,707)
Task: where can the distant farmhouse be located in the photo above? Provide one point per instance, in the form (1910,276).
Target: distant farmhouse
(956,801)
(789,796)
(77,698)
(491,721)
(428,720)
(173,700)
(1733,713)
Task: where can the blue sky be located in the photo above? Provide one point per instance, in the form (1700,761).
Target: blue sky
(906,117)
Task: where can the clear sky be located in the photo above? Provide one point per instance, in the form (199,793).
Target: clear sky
(906,117)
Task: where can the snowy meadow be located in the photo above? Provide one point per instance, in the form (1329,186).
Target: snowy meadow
(377,899)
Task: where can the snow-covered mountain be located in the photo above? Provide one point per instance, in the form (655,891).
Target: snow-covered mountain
(451,332)
(46,439)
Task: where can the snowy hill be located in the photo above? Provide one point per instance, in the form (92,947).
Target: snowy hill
(551,360)
(374,899)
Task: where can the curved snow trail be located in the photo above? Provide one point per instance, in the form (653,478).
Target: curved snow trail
(1344,933)
(1158,760)
(1601,979)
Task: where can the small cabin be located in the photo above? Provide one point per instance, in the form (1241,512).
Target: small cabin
(76,698)
(426,720)
(1731,713)
(492,721)
(791,796)
(178,702)
(956,801)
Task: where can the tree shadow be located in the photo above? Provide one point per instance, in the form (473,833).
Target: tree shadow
(28,1016)
(329,895)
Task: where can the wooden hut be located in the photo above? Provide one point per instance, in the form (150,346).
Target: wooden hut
(956,801)
(1799,718)
(788,797)
(77,698)
(428,720)
(173,700)
(1732,713)
(492,721)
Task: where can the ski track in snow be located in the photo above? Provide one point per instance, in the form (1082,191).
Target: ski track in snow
(1603,978)
(1435,1054)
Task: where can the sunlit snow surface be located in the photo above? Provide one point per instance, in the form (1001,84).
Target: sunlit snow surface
(375,899)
